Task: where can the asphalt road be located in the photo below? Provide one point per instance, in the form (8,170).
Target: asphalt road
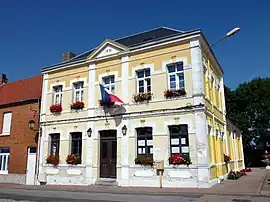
(11,195)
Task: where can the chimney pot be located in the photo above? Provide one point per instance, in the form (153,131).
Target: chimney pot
(3,79)
(67,56)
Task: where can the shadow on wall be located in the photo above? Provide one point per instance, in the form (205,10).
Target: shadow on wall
(116,112)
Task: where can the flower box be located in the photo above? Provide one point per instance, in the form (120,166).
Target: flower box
(73,159)
(144,160)
(179,159)
(56,108)
(77,106)
(142,97)
(105,104)
(227,159)
(53,159)
(235,175)
(171,93)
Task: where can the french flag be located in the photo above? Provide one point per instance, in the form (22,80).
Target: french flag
(107,97)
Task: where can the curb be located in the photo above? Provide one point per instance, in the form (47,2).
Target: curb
(149,193)
(262,182)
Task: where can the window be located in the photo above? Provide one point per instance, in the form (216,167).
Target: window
(144,141)
(76,143)
(55,143)
(144,81)
(6,123)
(109,83)
(78,92)
(179,139)
(176,76)
(4,159)
(58,94)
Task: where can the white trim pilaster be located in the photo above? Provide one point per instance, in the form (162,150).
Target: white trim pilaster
(125,76)
(44,97)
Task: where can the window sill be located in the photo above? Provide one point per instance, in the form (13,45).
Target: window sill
(4,134)
(65,165)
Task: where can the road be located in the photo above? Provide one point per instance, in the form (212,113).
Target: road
(22,195)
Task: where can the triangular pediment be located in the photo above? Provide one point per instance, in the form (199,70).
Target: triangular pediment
(107,48)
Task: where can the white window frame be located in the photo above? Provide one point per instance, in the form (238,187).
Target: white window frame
(110,84)
(144,79)
(177,80)
(57,94)
(6,129)
(4,165)
(79,90)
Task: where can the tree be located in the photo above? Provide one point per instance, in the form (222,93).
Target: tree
(249,107)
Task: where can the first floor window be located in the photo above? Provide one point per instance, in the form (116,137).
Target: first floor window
(176,76)
(4,159)
(78,92)
(144,141)
(55,143)
(179,139)
(76,143)
(144,81)
(6,123)
(109,83)
(58,94)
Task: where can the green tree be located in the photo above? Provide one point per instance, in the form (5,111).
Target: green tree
(249,107)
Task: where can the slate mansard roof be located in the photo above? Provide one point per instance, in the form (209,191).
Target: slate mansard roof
(131,42)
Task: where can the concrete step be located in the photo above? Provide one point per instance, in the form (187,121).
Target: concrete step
(106,182)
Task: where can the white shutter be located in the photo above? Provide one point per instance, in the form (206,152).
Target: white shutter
(7,123)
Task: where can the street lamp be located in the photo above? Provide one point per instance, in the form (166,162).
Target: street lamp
(229,34)
(89,132)
(31,124)
(124,130)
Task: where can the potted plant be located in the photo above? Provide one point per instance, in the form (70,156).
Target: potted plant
(179,159)
(53,159)
(171,93)
(73,159)
(57,108)
(144,160)
(77,105)
(107,104)
(140,97)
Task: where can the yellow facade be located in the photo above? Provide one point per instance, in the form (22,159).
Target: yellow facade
(159,113)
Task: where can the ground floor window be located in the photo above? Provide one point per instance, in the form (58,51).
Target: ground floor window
(144,141)
(4,159)
(76,143)
(179,141)
(55,143)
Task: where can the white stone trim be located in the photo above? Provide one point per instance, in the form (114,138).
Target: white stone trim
(175,60)
(58,84)
(112,73)
(79,79)
(91,89)
(142,67)
(197,71)
(44,96)
(125,68)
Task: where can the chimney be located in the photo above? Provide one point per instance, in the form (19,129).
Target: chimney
(3,79)
(67,56)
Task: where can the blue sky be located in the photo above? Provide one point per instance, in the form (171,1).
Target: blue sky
(34,34)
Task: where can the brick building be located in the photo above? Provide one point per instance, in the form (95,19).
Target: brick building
(19,109)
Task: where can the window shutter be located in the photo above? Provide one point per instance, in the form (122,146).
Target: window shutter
(7,123)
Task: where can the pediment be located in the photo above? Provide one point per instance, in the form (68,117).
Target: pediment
(107,48)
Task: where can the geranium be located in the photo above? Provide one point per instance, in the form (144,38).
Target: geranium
(73,159)
(170,93)
(142,97)
(53,159)
(178,159)
(144,160)
(108,104)
(247,170)
(56,108)
(227,159)
(77,105)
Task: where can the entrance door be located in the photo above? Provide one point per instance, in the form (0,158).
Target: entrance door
(31,164)
(108,150)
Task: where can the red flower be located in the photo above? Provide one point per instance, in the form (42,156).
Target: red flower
(178,159)
(53,159)
(77,105)
(73,159)
(56,108)
(170,93)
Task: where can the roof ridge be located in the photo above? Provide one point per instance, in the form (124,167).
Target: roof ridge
(142,32)
(177,30)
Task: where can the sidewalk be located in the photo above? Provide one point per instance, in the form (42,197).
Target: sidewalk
(249,185)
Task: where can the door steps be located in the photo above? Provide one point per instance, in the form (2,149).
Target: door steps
(106,182)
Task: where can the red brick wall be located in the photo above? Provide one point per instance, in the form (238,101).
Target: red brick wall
(21,137)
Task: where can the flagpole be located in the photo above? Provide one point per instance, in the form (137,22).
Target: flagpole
(103,106)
